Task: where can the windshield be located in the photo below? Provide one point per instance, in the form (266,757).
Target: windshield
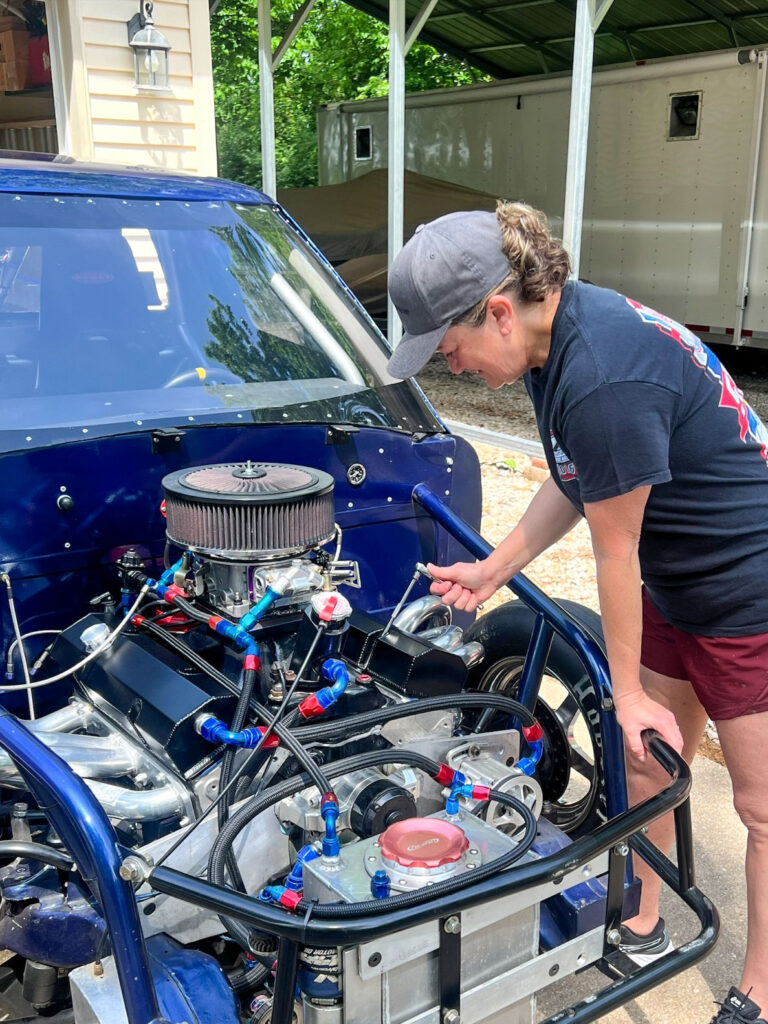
(120,314)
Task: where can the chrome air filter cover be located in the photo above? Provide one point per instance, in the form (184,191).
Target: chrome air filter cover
(249,512)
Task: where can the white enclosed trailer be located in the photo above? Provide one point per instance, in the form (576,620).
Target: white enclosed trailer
(676,204)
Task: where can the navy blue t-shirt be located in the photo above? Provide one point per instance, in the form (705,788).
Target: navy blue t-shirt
(629,398)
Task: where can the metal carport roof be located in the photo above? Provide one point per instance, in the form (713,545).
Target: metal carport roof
(507,38)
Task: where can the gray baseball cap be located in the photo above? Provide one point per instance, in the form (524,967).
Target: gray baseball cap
(441,272)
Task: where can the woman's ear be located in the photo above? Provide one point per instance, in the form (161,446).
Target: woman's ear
(502,309)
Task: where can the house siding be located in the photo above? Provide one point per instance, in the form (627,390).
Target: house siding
(171,130)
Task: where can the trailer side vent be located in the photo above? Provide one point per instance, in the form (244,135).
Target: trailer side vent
(363,140)
(684,115)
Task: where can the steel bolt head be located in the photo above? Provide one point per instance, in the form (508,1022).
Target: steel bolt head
(606,704)
(132,870)
(453,925)
(451,1017)
(613,938)
(621,849)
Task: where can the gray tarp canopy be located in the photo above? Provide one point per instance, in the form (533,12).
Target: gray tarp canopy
(350,220)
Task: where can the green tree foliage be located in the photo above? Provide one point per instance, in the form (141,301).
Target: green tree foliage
(339,54)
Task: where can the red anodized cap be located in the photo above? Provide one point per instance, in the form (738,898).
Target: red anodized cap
(423,843)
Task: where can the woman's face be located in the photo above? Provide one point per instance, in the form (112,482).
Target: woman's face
(495,350)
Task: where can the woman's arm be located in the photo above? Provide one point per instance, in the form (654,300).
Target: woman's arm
(615,526)
(467,584)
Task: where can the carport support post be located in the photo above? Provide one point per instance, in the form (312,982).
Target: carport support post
(589,14)
(396,144)
(266,100)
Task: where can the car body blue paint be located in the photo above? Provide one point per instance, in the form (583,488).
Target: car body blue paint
(73,178)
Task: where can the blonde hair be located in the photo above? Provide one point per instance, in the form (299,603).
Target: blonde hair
(537,262)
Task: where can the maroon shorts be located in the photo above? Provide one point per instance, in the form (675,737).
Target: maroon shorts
(729,674)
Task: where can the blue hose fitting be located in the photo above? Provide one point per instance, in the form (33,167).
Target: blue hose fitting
(329,809)
(527,765)
(459,787)
(253,615)
(380,885)
(337,671)
(167,577)
(215,731)
(295,879)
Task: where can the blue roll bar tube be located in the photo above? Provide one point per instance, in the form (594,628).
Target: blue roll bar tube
(558,620)
(84,828)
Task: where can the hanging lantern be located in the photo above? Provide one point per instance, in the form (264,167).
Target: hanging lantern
(150,49)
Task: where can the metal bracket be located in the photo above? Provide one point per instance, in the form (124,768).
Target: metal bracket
(166,439)
(449,969)
(340,433)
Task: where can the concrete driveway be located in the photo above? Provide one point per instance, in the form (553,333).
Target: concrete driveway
(720,843)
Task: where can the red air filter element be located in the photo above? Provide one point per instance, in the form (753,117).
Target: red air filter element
(252,511)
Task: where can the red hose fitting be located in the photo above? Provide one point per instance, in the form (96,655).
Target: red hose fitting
(445,775)
(252,662)
(533,733)
(310,707)
(290,899)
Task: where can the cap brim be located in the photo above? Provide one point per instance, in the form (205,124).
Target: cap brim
(414,351)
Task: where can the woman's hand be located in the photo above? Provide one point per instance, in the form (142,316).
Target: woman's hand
(465,585)
(636,711)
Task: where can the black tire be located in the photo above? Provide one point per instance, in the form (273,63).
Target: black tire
(572,770)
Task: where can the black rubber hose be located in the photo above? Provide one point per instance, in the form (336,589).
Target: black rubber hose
(189,609)
(36,851)
(245,980)
(228,762)
(324,730)
(444,888)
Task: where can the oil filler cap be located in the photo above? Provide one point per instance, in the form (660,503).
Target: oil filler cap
(423,843)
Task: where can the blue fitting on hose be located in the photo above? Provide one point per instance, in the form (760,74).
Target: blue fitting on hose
(167,576)
(337,671)
(380,885)
(295,879)
(329,809)
(233,632)
(253,615)
(215,731)
(527,765)
(459,787)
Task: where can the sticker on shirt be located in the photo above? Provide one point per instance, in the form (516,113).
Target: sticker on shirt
(731,396)
(566,467)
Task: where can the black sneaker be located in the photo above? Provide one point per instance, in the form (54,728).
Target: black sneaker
(645,949)
(738,1009)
